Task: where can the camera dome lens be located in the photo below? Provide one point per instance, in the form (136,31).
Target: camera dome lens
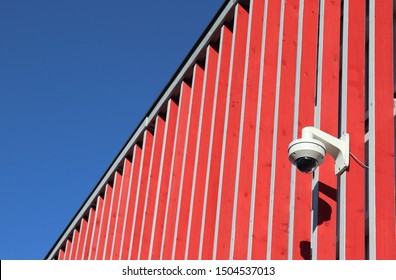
(306,164)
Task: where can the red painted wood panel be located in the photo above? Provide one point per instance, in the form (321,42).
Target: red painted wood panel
(74,242)
(89,235)
(177,159)
(303,186)
(68,249)
(131,200)
(248,129)
(61,254)
(142,186)
(81,239)
(203,148)
(170,129)
(188,168)
(112,216)
(104,222)
(229,155)
(279,246)
(384,126)
(152,208)
(327,200)
(217,139)
(355,178)
(96,228)
(260,229)
(145,237)
(121,210)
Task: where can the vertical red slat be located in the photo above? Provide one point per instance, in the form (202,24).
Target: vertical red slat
(112,216)
(188,169)
(279,246)
(177,165)
(248,130)
(121,210)
(130,207)
(96,228)
(327,200)
(217,139)
(171,119)
(73,252)
(68,249)
(61,254)
(104,222)
(260,229)
(355,177)
(152,191)
(384,126)
(232,132)
(143,178)
(88,236)
(303,186)
(81,239)
(202,160)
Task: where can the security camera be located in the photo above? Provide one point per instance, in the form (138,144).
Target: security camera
(308,152)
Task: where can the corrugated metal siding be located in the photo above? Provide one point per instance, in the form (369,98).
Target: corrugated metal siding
(207,176)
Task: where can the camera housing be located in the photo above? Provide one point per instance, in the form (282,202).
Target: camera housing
(308,152)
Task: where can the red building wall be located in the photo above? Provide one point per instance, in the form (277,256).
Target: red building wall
(206,175)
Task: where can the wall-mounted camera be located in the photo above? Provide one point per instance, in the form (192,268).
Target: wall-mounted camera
(308,152)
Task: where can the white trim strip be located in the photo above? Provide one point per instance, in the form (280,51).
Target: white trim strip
(341,221)
(317,118)
(371,133)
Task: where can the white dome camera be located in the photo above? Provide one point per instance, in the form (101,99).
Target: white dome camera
(308,152)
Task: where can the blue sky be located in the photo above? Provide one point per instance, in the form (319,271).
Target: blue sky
(76,78)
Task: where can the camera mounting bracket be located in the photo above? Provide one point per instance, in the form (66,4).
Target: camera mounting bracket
(337,148)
